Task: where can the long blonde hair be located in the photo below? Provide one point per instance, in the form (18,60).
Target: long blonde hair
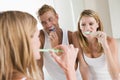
(16,30)
(83,40)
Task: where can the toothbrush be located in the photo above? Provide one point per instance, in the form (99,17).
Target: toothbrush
(52,29)
(90,33)
(87,32)
(53,50)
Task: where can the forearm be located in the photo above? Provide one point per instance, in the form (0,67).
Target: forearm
(70,74)
(85,72)
(113,68)
(84,68)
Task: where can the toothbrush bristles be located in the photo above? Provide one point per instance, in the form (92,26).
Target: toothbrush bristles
(87,32)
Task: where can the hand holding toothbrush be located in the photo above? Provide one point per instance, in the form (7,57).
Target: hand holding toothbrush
(66,60)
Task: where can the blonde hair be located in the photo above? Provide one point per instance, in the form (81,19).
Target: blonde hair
(45,8)
(82,40)
(16,30)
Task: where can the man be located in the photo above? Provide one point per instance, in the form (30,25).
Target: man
(51,36)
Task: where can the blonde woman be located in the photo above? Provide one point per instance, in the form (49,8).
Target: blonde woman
(17,30)
(19,44)
(98,50)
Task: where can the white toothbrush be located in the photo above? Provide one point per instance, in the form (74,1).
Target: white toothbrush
(53,50)
(87,32)
(90,33)
(52,29)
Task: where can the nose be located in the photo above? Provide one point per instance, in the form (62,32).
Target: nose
(87,27)
(49,24)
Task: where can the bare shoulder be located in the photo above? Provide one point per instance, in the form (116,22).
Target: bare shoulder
(76,39)
(42,38)
(41,34)
(111,41)
(70,33)
(75,32)
(70,37)
(112,45)
(75,36)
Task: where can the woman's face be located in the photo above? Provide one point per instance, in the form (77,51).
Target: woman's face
(36,44)
(88,24)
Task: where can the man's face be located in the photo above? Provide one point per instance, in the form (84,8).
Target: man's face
(48,20)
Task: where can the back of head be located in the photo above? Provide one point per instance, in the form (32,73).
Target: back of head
(16,30)
(45,8)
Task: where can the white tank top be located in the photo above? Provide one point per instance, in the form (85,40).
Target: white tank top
(53,69)
(98,68)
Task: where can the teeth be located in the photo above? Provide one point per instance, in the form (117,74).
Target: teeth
(52,29)
(87,32)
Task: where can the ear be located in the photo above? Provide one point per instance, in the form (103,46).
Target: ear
(57,16)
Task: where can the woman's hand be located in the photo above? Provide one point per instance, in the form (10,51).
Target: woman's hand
(66,60)
(101,36)
(67,57)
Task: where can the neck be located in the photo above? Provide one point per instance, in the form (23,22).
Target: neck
(92,41)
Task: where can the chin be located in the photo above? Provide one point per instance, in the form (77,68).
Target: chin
(37,55)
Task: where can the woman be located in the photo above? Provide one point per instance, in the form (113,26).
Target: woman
(17,30)
(18,41)
(97,50)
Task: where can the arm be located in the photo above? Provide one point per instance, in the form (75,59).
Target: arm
(70,37)
(84,69)
(67,60)
(112,59)
(111,51)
